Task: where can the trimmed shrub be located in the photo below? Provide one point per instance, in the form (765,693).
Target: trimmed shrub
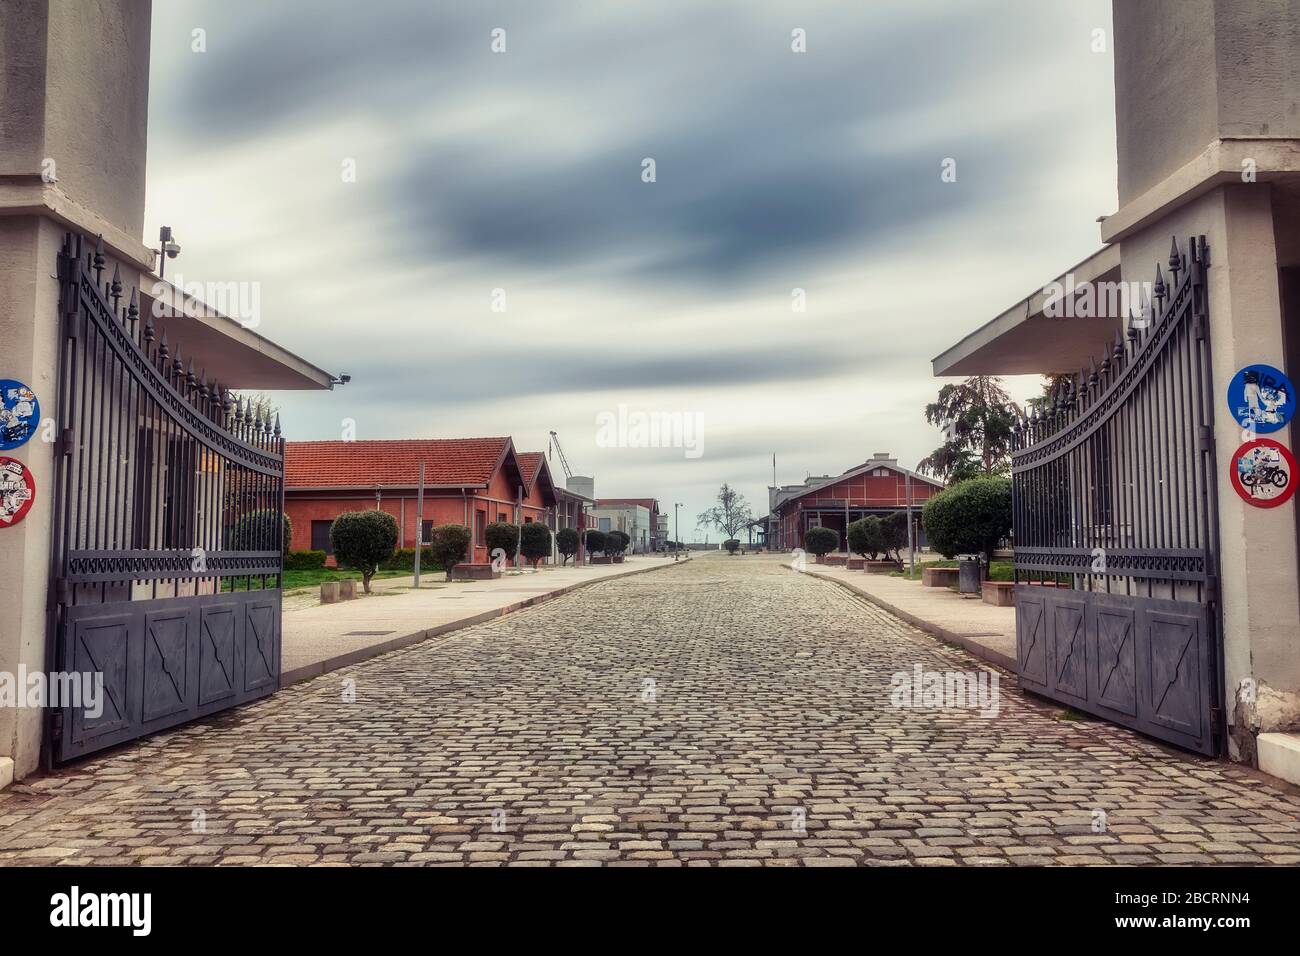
(969,518)
(535,542)
(867,537)
(596,541)
(821,541)
(449,546)
(403,559)
(894,530)
(304,560)
(503,535)
(255,531)
(616,542)
(363,540)
(732,545)
(566,540)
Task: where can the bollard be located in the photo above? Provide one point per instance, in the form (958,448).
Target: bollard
(329,592)
(347,590)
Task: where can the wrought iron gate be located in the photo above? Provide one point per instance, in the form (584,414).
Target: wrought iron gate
(167,533)
(1116,527)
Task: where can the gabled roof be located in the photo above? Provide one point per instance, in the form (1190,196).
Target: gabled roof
(796,492)
(448,462)
(649,504)
(533,466)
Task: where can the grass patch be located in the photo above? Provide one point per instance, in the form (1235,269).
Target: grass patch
(998,570)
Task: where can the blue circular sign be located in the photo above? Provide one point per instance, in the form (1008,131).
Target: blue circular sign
(1262,395)
(20,413)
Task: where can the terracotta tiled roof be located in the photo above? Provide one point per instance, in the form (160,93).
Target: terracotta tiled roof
(447,461)
(648,503)
(530,463)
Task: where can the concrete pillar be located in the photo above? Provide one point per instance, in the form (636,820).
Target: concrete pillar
(74,114)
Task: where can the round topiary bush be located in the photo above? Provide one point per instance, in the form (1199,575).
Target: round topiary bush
(596,541)
(867,537)
(566,541)
(616,542)
(970,517)
(256,531)
(820,541)
(503,535)
(732,545)
(894,532)
(450,545)
(535,542)
(363,540)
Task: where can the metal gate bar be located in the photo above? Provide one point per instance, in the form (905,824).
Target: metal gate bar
(1115,525)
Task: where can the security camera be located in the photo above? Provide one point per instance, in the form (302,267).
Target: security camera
(173,249)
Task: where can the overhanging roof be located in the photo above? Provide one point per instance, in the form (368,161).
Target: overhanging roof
(1025,341)
(229,353)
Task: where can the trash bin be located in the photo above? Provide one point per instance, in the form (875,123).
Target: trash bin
(968,576)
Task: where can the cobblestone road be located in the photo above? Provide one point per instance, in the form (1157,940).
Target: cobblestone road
(727,711)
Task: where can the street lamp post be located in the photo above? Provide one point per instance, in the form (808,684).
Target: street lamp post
(677,531)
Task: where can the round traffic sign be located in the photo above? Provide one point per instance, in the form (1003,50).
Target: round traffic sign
(1263,473)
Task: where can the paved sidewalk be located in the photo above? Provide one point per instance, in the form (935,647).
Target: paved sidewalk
(325,637)
(984,630)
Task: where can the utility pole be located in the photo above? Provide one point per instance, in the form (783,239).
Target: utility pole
(677,531)
(419,524)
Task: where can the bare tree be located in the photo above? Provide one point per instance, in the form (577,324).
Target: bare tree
(729,515)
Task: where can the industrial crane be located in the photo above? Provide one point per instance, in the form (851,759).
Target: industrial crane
(555,442)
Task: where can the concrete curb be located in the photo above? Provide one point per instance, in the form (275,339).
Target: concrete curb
(952,637)
(315,669)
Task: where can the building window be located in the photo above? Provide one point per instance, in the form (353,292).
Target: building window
(604,524)
(528,520)
(426,533)
(320,536)
(480,524)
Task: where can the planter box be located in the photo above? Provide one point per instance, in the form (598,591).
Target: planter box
(856,564)
(883,567)
(939,577)
(618,559)
(474,572)
(837,560)
(602,559)
(999,593)
(329,592)
(347,590)
(821,559)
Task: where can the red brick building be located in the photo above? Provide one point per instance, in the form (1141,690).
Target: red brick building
(878,487)
(469,481)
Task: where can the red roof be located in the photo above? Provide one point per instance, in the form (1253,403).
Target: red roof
(447,462)
(650,504)
(530,462)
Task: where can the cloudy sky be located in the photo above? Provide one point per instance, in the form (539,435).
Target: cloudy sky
(522,171)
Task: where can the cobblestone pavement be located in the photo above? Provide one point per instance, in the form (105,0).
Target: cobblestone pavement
(539,739)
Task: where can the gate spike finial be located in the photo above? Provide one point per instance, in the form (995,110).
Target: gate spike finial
(115,287)
(1093,376)
(133,307)
(163,352)
(1159,287)
(277,425)
(1175,257)
(98,261)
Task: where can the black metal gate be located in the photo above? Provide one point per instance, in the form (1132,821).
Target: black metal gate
(167,533)
(1116,527)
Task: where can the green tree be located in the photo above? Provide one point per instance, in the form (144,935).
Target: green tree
(256,531)
(535,542)
(969,518)
(821,541)
(363,540)
(732,545)
(566,541)
(596,541)
(977,416)
(867,537)
(729,515)
(894,530)
(503,535)
(450,545)
(616,541)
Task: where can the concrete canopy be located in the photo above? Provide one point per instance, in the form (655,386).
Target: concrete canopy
(230,353)
(1024,340)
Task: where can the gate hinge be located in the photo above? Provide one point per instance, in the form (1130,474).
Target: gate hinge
(66,440)
(1205,438)
(1212,587)
(56,725)
(62,591)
